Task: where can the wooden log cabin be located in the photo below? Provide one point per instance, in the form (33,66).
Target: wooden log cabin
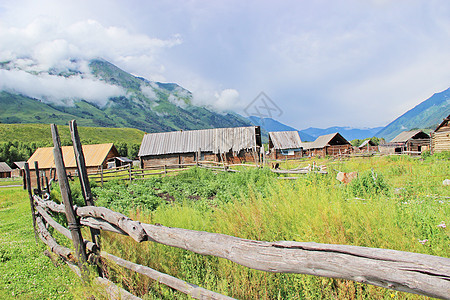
(440,137)
(228,145)
(285,144)
(368,146)
(412,142)
(5,170)
(96,157)
(327,145)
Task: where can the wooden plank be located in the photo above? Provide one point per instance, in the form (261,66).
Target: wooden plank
(30,195)
(38,177)
(403,271)
(64,187)
(82,175)
(190,289)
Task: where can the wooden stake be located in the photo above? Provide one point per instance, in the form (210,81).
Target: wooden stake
(72,221)
(84,179)
(38,178)
(30,194)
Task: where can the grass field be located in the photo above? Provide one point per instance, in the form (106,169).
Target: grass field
(25,273)
(396,203)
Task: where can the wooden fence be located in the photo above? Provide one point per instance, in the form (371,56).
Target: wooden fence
(130,174)
(403,271)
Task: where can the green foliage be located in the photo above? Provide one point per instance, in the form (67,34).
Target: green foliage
(316,207)
(369,184)
(197,185)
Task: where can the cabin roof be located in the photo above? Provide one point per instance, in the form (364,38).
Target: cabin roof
(94,156)
(285,140)
(405,136)
(4,167)
(324,140)
(445,122)
(367,142)
(216,140)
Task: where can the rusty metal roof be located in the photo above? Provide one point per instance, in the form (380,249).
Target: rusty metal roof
(94,156)
(216,140)
(404,136)
(323,141)
(285,140)
(4,167)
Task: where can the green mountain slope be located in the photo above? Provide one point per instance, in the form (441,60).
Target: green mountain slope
(426,115)
(148,106)
(41,134)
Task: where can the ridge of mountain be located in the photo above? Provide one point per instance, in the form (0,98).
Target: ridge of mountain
(426,115)
(145,105)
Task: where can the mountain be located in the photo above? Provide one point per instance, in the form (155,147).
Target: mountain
(269,124)
(134,102)
(426,115)
(348,133)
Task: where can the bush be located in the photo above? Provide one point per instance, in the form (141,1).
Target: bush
(369,184)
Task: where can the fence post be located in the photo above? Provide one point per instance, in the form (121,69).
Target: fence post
(38,178)
(64,187)
(129,168)
(84,179)
(101,174)
(30,194)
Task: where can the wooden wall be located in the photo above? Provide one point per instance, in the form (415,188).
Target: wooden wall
(189,158)
(276,154)
(440,140)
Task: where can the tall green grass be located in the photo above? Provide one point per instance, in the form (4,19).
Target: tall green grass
(394,204)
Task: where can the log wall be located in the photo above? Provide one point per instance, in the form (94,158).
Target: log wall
(441,140)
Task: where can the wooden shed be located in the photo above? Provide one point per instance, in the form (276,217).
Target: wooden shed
(96,157)
(368,146)
(5,170)
(412,142)
(440,137)
(329,144)
(285,144)
(17,168)
(230,145)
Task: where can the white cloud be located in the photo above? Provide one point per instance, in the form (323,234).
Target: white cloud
(58,90)
(48,43)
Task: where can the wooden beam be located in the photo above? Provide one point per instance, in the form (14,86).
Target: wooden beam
(190,289)
(30,195)
(72,221)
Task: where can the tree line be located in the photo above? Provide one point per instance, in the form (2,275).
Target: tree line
(21,151)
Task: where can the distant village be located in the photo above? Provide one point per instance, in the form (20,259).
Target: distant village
(231,146)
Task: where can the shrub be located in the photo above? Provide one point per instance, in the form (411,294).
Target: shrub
(369,184)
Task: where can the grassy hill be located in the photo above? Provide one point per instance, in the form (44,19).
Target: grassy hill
(40,133)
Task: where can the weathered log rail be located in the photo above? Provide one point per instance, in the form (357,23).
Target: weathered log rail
(402,271)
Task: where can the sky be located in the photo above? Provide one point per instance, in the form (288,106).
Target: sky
(316,63)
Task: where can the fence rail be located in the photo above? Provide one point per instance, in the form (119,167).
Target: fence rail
(403,271)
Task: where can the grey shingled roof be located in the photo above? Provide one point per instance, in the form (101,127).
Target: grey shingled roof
(285,139)
(404,136)
(216,140)
(4,167)
(321,142)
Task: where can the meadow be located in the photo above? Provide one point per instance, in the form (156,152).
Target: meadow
(397,203)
